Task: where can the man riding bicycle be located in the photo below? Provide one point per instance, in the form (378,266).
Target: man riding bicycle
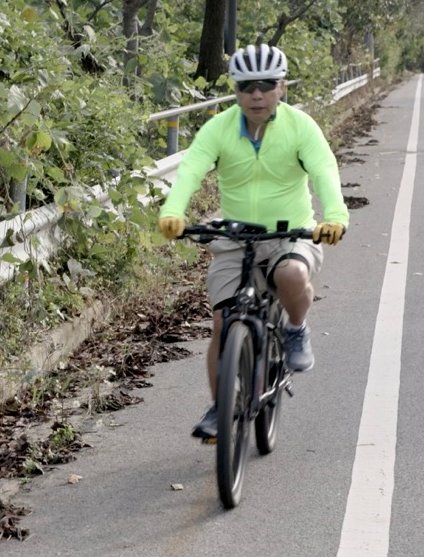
(264,151)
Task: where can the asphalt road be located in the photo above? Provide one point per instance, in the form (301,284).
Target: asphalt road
(347,476)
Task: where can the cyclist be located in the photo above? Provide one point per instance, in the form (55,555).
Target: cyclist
(264,152)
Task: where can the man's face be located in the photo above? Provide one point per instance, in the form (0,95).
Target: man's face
(258,99)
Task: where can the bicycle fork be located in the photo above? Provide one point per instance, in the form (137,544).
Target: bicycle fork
(286,382)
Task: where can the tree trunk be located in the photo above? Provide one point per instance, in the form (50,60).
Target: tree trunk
(130,10)
(211,64)
(131,29)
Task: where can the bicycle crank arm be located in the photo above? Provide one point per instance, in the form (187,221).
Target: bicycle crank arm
(289,387)
(286,381)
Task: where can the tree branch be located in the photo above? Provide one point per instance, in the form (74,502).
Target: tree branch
(10,122)
(97,10)
(88,61)
(283,22)
(147,27)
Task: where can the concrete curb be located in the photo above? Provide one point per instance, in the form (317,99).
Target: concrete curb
(56,346)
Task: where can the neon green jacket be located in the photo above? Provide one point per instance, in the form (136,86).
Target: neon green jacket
(265,186)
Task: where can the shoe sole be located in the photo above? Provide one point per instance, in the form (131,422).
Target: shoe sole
(210,441)
(299,370)
(200,434)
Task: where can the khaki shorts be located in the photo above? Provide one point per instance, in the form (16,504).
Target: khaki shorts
(225,270)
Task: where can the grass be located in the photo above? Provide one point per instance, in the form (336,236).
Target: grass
(140,266)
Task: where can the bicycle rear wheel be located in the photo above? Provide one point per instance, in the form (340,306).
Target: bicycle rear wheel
(266,423)
(234,394)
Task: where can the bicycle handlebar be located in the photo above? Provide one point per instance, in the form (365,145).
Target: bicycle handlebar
(235,230)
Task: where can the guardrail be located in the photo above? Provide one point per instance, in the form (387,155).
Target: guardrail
(172,115)
(353,77)
(352,71)
(350,78)
(36,235)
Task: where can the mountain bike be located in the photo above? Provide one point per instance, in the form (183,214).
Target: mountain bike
(252,374)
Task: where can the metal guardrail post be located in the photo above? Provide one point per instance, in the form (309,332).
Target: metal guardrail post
(18,193)
(211,110)
(172,137)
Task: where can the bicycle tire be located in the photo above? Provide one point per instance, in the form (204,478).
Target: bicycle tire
(234,394)
(266,422)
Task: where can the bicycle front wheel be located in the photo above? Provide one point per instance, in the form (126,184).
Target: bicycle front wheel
(234,395)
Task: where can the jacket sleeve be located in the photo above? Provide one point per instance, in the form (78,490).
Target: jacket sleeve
(197,161)
(321,166)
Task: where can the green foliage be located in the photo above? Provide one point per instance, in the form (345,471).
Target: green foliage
(391,54)
(13,330)
(307,41)
(35,301)
(59,126)
(50,451)
(264,17)
(63,436)
(372,15)
(310,60)
(410,36)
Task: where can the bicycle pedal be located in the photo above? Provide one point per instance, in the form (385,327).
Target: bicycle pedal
(209,441)
(289,390)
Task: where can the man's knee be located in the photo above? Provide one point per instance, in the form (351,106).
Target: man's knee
(291,273)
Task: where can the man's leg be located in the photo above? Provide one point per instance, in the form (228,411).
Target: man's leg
(223,279)
(295,292)
(294,289)
(208,425)
(213,352)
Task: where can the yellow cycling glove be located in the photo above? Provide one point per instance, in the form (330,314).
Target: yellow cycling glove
(328,233)
(171,227)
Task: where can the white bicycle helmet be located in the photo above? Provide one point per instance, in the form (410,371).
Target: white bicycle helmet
(258,63)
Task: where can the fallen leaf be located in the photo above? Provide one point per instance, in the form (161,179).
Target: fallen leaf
(74,478)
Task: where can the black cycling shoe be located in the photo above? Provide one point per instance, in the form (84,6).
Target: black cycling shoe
(207,428)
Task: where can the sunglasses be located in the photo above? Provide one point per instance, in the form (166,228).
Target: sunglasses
(264,85)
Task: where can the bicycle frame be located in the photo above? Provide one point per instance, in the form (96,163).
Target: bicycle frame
(252,307)
(253,301)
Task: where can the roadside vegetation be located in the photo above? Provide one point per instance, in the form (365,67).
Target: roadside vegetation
(78,82)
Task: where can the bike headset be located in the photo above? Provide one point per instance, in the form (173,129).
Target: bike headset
(257,63)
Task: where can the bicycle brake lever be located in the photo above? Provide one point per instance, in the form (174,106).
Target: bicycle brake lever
(219,223)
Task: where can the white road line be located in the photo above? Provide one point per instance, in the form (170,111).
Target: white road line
(366,525)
